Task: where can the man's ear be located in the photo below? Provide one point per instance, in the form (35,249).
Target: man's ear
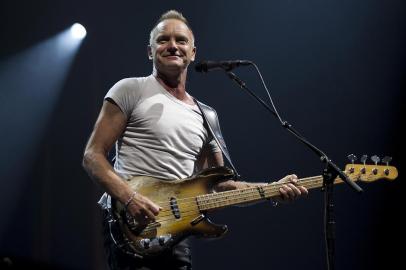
(149,52)
(194,54)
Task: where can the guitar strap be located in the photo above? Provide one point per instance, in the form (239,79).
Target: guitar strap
(213,125)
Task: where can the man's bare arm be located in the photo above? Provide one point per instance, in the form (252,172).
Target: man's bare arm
(108,128)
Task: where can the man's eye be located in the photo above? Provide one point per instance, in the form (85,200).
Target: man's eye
(161,39)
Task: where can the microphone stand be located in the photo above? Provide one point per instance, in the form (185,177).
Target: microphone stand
(330,172)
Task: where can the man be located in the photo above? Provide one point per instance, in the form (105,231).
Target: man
(160,132)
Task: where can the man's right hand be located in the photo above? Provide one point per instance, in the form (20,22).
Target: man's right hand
(142,209)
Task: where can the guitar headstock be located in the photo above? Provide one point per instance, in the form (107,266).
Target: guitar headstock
(370,173)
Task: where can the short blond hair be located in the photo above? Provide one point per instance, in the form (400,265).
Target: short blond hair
(170,14)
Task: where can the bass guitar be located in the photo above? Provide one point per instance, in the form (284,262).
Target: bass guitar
(185,204)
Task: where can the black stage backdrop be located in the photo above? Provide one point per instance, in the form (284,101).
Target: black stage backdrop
(336,70)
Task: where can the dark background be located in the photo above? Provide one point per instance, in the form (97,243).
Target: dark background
(336,70)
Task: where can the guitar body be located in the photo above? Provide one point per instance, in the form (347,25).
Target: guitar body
(180,216)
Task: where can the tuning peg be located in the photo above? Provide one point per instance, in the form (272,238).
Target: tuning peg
(352,158)
(386,160)
(364,159)
(375,159)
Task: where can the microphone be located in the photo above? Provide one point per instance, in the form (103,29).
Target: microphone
(206,66)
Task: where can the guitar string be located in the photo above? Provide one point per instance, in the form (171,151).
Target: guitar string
(229,195)
(194,210)
(247,195)
(270,184)
(240,195)
(275,184)
(185,214)
(237,194)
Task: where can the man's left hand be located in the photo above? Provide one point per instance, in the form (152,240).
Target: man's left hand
(290,191)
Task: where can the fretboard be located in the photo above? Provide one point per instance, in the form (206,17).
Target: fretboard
(253,194)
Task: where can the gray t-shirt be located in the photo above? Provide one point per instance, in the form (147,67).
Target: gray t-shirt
(163,137)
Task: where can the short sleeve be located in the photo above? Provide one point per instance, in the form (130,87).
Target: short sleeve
(125,94)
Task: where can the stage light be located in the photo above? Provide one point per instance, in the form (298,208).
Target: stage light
(78,31)
(44,67)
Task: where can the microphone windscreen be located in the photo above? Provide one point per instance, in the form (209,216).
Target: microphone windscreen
(201,67)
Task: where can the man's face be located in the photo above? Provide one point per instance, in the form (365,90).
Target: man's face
(172,46)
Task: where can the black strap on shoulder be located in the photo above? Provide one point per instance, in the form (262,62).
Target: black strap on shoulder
(213,124)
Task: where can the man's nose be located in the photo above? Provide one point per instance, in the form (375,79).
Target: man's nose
(172,50)
(172,46)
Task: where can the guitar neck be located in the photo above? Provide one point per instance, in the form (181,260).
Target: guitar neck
(218,200)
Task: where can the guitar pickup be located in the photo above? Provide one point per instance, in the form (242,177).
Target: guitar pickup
(175,208)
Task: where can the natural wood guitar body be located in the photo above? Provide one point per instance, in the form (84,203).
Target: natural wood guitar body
(179,196)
